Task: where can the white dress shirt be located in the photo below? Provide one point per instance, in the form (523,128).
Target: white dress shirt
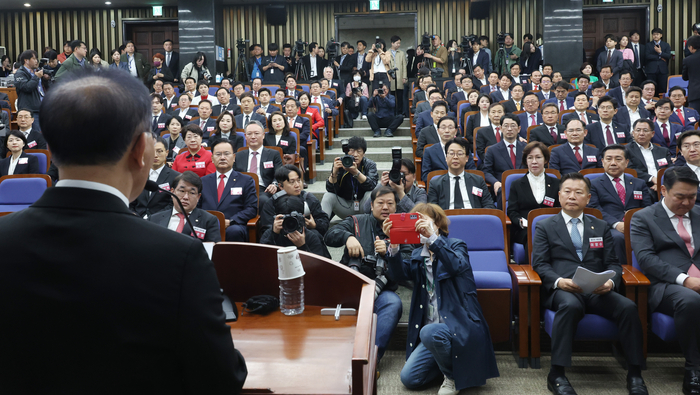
(96,186)
(484,120)
(634,116)
(312,61)
(226,176)
(537,185)
(648,155)
(686,223)
(154,174)
(259,160)
(13,165)
(319,100)
(605,134)
(695,169)
(505,94)
(462,189)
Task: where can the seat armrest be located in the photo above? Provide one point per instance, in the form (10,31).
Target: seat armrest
(253,235)
(525,275)
(632,277)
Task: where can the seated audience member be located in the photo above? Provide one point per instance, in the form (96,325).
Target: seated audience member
(547,69)
(535,190)
(616,192)
(606,75)
(407,192)
(429,133)
(365,251)
(348,188)
(195,158)
(291,87)
(620,93)
(545,92)
(647,158)
(183,111)
(685,116)
(459,189)
(169,98)
(690,149)
(149,203)
(665,132)
(606,132)
(423,82)
(632,110)
(466,84)
(188,187)
(583,86)
(191,88)
(574,156)
(158,118)
(174,142)
(556,258)
(259,160)
(264,108)
(550,132)
(385,116)
(279,97)
(434,157)
(557,77)
(503,92)
(225,104)
(205,121)
(255,86)
(492,85)
(226,129)
(302,124)
(581,105)
(515,75)
(587,69)
(490,135)
(423,115)
(449,327)
(230,192)
(327,105)
(515,102)
(531,115)
(280,135)
(337,84)
(479,79)
(18,162)
(476,121)
(663,244)
(203,90)
(534,83)
(237,90)
(649,98)
(456,82)
(317,121)
(561,98)
(504,155)
(248,114)
(597,92)
(35,139)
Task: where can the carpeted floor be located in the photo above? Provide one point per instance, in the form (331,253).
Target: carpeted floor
(590,374)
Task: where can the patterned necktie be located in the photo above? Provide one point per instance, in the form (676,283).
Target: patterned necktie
(534,122)
(553,133)
(609,56)
(181,225)
(512,155)
(665,133)
(685,236)
(201,124)
(247,120)
(680,115)
(576,238)
(579,158)
(254,163)
(608,135)
(620,190)
(561,105)
(459,201)
(220,188)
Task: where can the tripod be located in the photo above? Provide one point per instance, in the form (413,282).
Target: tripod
(501,60)
(467,63)
(241,65)
(301,73)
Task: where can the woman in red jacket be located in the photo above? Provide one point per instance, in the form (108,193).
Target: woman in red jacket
(316,118)
(195,158)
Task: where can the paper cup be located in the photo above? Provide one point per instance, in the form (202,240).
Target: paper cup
(289,264)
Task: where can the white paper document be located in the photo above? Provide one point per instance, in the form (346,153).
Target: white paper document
(588,281)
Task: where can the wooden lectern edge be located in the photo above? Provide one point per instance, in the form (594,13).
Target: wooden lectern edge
(363,331)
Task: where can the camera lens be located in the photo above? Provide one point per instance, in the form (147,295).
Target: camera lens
(348,160)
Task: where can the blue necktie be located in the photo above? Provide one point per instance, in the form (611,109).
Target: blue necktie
(576,238)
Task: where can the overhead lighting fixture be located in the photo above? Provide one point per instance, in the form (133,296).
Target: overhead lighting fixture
(108,2)
(27,5)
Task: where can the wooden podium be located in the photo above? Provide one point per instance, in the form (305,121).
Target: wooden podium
(307,353)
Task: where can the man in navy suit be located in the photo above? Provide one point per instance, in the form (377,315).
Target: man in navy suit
(561,92)
(581,106)
(691,71)
(149,203)
(490,135)
(230,192)
(615,192)
(534,83)
(575,155)
(225,103)
(584,87)
(25,121)
(158,118)
(492,85)
(515,74)
(647,158)
(247,114)
(479,57)
(291,110)
(259,160)
(434,157)
(264,108)
(291,87)
(550,132)
(611,57)
(685,116)
(205,121)
(632,111)
(563,243)
(424,118)
(620,93)
(466,85)
(689,143)
(430,134)
(515,103)
(170,99)
(666,133)
(172,59)
(606,132)
(532,116)
(657,54)
(505,155)
(503,92)
(545,92)
(479,79)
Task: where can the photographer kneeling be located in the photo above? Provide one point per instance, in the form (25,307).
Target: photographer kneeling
(385,117)
(407,192)
(447,332)
(365,250)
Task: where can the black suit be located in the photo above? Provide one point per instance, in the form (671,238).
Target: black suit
(485,138)
(439,191)
(26,164)
(137,306)
(208,128)
(427,136)
(231,107)
(521,201)
(240,120)
(662,159)
(320,65)
(554,257)
(269,162)
(161,123)
(288,143)
(149,203)
(473,123)
(509,106)
(598,137)
(691,73)
(656,66)
(206,225)
(233,137)
(590,118)
(542,133)
(174,65)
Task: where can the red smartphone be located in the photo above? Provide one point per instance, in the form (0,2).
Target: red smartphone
(403,228)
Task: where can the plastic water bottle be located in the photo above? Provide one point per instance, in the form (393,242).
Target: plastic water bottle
(292,296)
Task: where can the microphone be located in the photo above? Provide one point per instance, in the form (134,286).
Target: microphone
(152,186)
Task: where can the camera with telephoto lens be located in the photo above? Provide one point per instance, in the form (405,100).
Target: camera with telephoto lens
(392,72)
(395,174)
(425,43)
(241,44)
(293,222)
(290,207)
(347,160)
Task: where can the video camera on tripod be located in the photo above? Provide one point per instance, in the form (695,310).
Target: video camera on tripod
(332,47)
(467,42)
(426,41)
(501,38)
(241,44)
(300,47)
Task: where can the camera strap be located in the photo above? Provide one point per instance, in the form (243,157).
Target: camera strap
(357,227)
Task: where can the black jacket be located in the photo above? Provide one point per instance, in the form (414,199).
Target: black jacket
(346,186)
(206,225)
(149,203)
(28,95)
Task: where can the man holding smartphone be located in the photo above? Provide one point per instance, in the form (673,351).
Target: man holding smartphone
(658,54)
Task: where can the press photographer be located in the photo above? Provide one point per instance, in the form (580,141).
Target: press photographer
(406,190)
(381,64)
(30,91)
(365,250)
(385,117)
(438,55)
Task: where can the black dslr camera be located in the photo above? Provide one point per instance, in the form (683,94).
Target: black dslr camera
(347,160)
(290,206)
(370,262)
(392,72)
(378,44)
(395,174)
(44,66)
(293,222)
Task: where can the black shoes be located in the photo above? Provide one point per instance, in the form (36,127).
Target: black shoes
(636,386)
(378,133)
(388,133)
(691,382)
(559,385)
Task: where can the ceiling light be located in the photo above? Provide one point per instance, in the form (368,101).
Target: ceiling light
(27,5)
(108,2)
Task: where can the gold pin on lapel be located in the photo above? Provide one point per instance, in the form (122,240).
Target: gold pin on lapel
(592,227)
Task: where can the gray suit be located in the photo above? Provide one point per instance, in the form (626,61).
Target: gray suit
(202,221)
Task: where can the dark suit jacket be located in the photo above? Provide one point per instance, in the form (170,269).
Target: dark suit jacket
(521,200)
(525,121)
(553,99)
(497,96)
(304,127)
(233,137)
(590,118)
(239,208)
(145,305)
(482,60)
(428,136)
(434,159)
(205,222)
(440,190)
(320,65)
(473,123)
(240,164)
(35,140)
(661,253)
(240,118)
(661,156)
(615,61)
(691,73)
(174,64)
(161,124)
(485,137)
(142,66)
(287,143)
(575,93)
(564,160)
(456,98)
(617,94)
(554,255)
(486,89)
(597,136)
(623,116)
(498,160)
(509,106)
(543,97)
(422,120)
(191,113)
(655,62)
(231,107)
(542,134)
(171,106)
(604,197)
(673,134)
(208,128)
(148,203)
(30,167)
(690,118)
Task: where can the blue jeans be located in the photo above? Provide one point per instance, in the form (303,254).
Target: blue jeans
(431,359)
(388,308)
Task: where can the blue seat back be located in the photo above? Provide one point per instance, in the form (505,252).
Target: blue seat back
(166,136)
(676,81)
(177,91)
(21,191)
(506,187)
(273,89)
(42,161)
(242,134)
(485,240)
(593,176)
(212,90)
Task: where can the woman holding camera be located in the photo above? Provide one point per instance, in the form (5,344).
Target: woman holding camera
(358,96)
(454,58)
(196,69)
(381,63)
(448,335)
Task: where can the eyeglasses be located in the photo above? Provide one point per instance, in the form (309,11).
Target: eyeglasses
(220,154)
(182,191)
(695,145)
(458,154)
(605,107)
(509,126)
(445,127)
(160,151)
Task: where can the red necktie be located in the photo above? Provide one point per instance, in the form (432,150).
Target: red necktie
(685,236)
(583,119)
(553,133)
(498,135)
(534,122)
(537,87)
(665,133)
(512,155)
(620,190)
(254,163)
(493,89)
(680,115)
(579,158)
(608,135)
(561,105)
(220,188)
(181,225)
(201,124)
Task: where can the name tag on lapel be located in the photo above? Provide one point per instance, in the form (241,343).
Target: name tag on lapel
(595,242)
(620,135)
(199,165)
(200,232)
(548,201)
(678,134)
(297,124)
(268,165)
(176,150)
(691,119)
(477,191)
(173,105)
(591,159)
(285,143)
(637,195)
(165,186)
(188,116)
(161,126)
(237,191)
(210,129)
(23,161)
(31,144)
(662,162)
(562,136)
